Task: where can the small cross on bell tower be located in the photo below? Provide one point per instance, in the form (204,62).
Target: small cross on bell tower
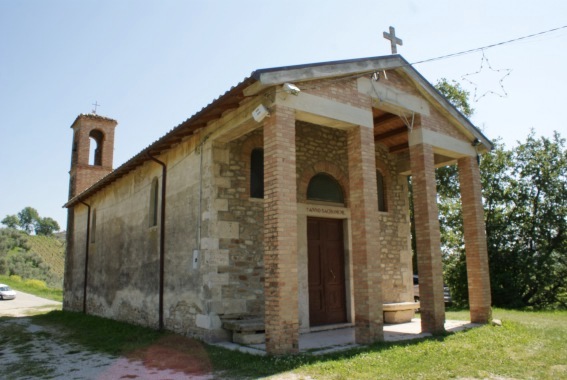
(90,165)
(394,41)
(96,105)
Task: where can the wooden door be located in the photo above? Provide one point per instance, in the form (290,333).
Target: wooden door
(326,271)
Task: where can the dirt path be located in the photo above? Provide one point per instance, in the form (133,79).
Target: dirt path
(30,351)
(26,304)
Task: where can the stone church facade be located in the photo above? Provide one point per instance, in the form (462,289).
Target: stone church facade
(285,199)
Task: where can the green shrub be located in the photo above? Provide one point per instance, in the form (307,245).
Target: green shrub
(16,278)
(36,284)
(29,265)
(3,263)
(17,257)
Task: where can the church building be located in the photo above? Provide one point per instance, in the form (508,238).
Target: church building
(285,200)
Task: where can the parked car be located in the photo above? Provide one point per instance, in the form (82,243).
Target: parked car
(446,292)
(6,293)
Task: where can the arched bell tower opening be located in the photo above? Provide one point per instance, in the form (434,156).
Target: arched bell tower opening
(92,152)
(95,154)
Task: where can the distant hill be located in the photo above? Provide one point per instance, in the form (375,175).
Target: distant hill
(52,251)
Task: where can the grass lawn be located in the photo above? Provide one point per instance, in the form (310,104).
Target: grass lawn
(529,345)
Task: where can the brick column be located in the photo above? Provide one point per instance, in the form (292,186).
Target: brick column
(428,238)
(365,247)
(280,233)
(475,240)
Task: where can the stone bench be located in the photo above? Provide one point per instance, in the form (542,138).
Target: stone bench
(399,312)
(246,331)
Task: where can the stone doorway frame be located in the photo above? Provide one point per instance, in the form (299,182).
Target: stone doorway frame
(327,211)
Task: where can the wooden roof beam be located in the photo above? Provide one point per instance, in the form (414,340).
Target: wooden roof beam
(399,148)
(384,118)
(392,133)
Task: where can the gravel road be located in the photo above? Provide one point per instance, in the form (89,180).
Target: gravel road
(26,304)
(38,352)
(30,351)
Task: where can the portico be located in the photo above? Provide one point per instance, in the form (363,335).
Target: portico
(416,132)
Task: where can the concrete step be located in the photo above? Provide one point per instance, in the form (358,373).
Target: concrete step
(246,330)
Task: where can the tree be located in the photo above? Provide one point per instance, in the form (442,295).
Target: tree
(28,217)
(526,218)
(11,221)
(46,226)
(456,95)
(17,258)
(11,241)
(525,206)
(28,220)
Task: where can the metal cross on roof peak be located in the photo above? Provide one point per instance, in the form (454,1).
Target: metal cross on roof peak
(95,104)
(393,40)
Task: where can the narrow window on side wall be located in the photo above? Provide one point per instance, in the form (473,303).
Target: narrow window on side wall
(153,215)
(93,227)
(257,173)
(381,186)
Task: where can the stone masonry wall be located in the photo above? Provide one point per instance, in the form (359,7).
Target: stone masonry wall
(123,274)
(243,294)
(320,149)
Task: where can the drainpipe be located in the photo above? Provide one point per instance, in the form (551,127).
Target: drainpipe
(161,238)
(197,251)
(86,257)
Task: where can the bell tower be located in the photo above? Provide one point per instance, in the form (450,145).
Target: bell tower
(88,166)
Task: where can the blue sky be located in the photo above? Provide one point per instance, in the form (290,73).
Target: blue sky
(152,64)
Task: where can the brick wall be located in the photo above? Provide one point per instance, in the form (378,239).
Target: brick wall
(83,173)
(280,233)
(475,240)
(365,246)
(428,241)
(343,90)
(394,232)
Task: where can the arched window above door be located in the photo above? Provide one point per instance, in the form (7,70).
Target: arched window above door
(323,187)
